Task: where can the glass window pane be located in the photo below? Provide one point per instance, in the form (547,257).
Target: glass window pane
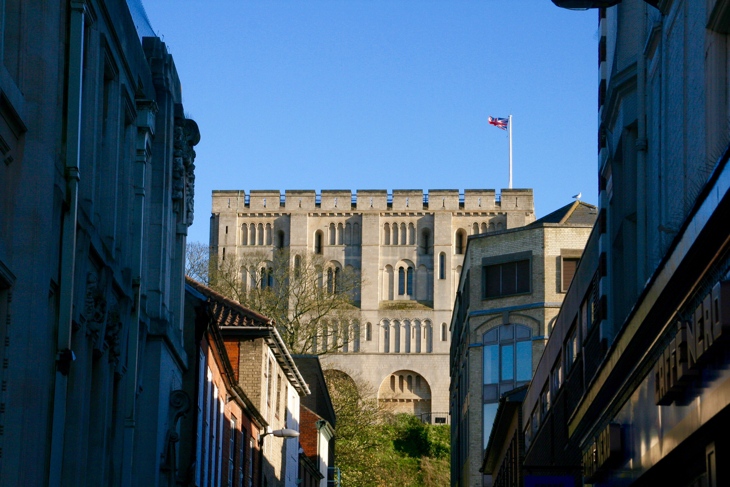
(490,412)
(490,393)
(522,331)
(491,281)
(524,360)
(509,279)
(506,334)
(522,271)
(508,361)
(491,364)
(491,336)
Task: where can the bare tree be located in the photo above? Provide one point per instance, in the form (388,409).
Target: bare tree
(312,301)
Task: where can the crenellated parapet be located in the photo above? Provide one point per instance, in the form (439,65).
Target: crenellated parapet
(374,200)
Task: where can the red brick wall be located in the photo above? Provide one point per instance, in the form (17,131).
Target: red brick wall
(232,351)
(308,432)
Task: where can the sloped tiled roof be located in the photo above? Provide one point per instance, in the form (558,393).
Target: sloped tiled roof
(227,312)
(575,213)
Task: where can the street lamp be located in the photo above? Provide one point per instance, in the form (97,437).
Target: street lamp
(282,433)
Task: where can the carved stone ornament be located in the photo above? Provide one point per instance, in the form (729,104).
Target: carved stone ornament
(112,337)
(95,307)
(186,136)
(179,405)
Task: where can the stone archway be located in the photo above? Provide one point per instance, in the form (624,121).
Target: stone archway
(406,391)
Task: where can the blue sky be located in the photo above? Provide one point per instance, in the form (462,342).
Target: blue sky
(385,94)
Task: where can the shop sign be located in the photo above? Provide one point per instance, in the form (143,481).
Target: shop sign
(698,339)
(605,451)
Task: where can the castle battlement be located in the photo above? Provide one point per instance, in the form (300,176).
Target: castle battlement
(377,200)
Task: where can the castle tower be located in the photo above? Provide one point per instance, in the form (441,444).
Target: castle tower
(407,247)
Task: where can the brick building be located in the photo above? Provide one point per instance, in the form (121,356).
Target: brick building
(407,249)
(318,420)
(511,288)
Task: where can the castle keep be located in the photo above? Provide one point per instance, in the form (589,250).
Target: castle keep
(407,248)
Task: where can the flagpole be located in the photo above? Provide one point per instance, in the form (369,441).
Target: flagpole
(509,124)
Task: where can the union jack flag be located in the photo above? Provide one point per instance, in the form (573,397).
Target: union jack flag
(498,122)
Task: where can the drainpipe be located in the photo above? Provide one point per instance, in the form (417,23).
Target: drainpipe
(146,110)
(64,355)
(641,148)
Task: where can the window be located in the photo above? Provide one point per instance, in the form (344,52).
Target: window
(506,279)
(280,239)
(409,281)
(318,237)
(401,281)
(231,452)
(556,378)
(571,348)
(460,241)
(443,332)
(442,266)
(425,241)
(368,332)
(507,363)
(567,271)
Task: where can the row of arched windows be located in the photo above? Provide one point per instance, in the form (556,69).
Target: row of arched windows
(261,234)
(404,281)
(405,234)
(347,234)
(341,337)
(406,336)
(476,228)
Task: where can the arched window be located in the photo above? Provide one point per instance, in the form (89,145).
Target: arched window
(417,332)
(396,337)
(411,234)
(346,338)
(401,281)
(428,335)
(403,234)
(244,234)
(333,234)
(330,281)
(409,281)
(340,234)
(475,228)
(386,234)
(395,234)
(356,336)
(368,332)
(442,266)
(386,337)
(507,362)
(260,234)
(318,237)
(348,233)
(444,331)
(484,227)
(297,266)
(408,337)
(252,237)
(425,243)
(460,241)
(268,234)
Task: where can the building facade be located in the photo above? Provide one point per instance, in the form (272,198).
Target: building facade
(96,195)
(649,406)
(407,249)
(511,287)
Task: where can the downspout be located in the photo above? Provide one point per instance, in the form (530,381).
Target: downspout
(146,110)
(641,148)
(64,355)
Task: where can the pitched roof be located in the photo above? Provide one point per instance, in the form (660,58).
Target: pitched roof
(234,319)
(575,213)
(319,402)
(227,312)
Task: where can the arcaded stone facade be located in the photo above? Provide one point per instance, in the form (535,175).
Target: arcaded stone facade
(406,246)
